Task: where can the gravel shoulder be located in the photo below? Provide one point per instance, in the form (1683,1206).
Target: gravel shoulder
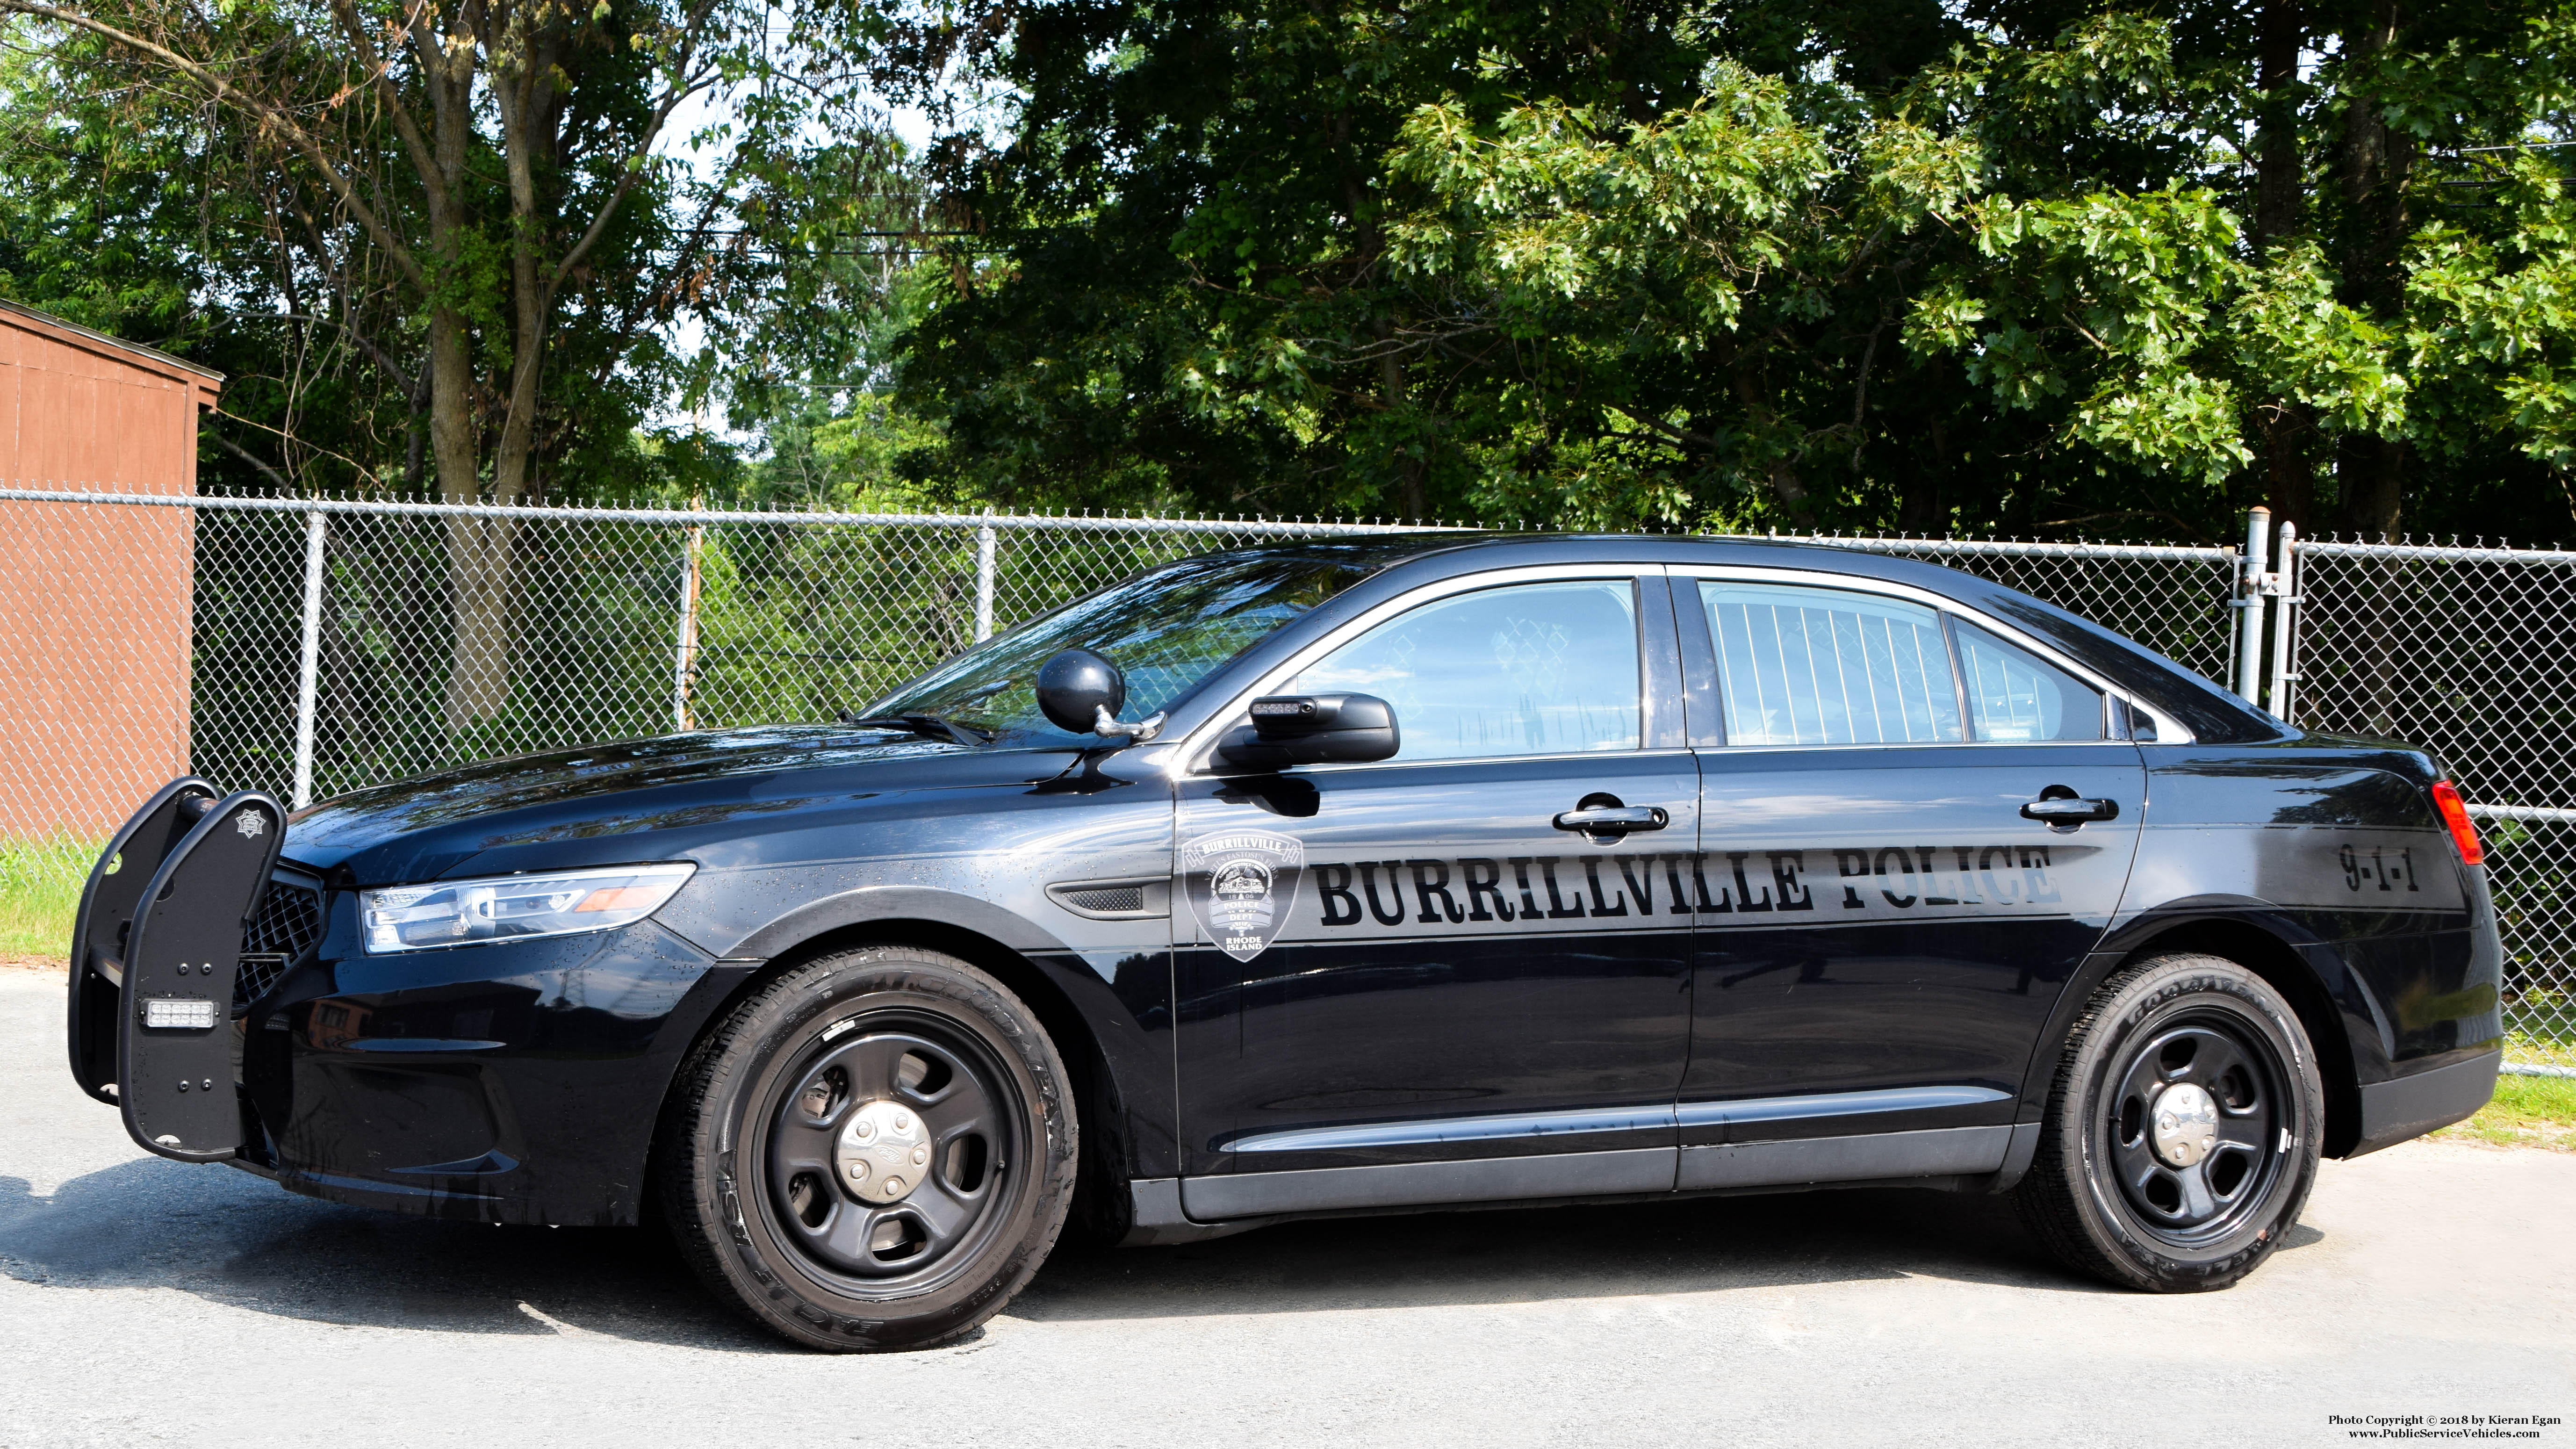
(144,1302)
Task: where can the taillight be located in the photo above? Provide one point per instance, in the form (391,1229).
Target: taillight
(2455,814)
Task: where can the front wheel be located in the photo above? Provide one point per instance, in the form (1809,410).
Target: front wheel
(876,1150)
(2182,1129)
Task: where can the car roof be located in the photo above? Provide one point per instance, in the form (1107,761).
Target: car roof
(1387,550)
(2209,711)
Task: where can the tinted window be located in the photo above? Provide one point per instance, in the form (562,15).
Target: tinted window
(2213,715)
(1166,630)
(1824,667)
(1532,669)
(2014,696)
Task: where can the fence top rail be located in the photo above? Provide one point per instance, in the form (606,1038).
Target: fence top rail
(2020,548)
(2528,814)
(2440,553)
(693,517)
(1039,522)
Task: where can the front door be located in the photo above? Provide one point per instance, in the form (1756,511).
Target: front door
(1869,992)
(1408,981)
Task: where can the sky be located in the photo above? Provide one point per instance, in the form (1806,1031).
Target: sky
(708,108)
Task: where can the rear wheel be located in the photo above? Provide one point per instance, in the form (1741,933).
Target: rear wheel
(2182,1128)
(875,1151)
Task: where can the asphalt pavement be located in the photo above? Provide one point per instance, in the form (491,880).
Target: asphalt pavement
(148,1302)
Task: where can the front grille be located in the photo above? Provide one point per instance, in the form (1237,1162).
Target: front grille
(287,925)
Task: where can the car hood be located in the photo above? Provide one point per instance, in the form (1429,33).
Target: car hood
(569,808)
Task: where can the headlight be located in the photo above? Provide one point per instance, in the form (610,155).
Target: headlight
(512,907)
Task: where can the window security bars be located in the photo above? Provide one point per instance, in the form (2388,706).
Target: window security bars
(1816,667)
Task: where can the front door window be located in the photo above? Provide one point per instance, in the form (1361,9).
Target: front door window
(1536,669)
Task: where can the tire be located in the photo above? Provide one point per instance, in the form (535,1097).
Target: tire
(2116,1189)
(784,1154)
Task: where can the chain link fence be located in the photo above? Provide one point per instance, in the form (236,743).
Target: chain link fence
(2463,650)
(314,647)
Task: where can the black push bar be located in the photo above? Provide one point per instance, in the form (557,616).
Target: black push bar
(155,950)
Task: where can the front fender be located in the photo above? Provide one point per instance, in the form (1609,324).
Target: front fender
(1116,995)
(874,903)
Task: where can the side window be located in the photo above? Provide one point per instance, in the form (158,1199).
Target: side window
(1802,666)
(2014,696)
(1528,669)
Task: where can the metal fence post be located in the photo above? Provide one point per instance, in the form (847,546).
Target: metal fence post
(2285,627)
(308,673)
(684,657)
(984,541)
(2249,598)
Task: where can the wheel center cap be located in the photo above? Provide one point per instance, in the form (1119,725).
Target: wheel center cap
(2184,1125)
(884,1152)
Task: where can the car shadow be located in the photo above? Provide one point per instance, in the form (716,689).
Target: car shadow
(1526,1255)
(234,1239)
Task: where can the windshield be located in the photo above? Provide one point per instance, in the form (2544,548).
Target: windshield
(1166,630)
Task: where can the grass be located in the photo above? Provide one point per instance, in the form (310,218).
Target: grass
(2526,1112)
(40,887)
(2540,1026)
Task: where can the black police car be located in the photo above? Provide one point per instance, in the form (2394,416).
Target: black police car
(1432,870)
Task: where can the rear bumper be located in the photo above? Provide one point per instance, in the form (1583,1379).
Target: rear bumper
(2410,1106)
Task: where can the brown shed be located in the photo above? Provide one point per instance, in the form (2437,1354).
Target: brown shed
(95,669)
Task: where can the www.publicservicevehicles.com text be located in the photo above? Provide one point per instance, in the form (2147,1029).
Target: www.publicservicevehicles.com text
(2443,1426)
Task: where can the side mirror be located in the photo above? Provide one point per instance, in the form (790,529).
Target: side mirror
(1075,686)
(1312,729)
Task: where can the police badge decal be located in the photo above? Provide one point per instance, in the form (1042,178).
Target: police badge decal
(1241,884)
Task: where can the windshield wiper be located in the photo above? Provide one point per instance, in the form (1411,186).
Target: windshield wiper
(928,726)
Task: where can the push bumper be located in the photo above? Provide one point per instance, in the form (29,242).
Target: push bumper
(2410,1106)
(155,951)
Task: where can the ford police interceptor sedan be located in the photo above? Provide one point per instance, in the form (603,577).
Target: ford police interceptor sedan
(1327,878)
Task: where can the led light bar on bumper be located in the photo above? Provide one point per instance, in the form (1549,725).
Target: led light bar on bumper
(515,907)
(179,1013)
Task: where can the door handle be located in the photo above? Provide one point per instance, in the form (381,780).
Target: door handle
(2061,808)
(1613,819)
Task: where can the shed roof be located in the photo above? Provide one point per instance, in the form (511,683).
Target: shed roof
(90,340)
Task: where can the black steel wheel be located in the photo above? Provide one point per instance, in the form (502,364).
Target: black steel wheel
(2182,1130)
(874,1151)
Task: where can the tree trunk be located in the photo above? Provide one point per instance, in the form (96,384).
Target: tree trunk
(2288,430)
(2289,466)
(1781,469)
(524,99)
(2278,172)
(482,551)
(478,549)
(478,678)
(1918,506)
(1367,248)
(416,437)
(1390,371)
(2370,470)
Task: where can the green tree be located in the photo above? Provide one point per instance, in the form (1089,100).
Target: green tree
(466,215)
(2037,267)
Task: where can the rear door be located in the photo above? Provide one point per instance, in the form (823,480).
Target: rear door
(1405,981)
(1887,927)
